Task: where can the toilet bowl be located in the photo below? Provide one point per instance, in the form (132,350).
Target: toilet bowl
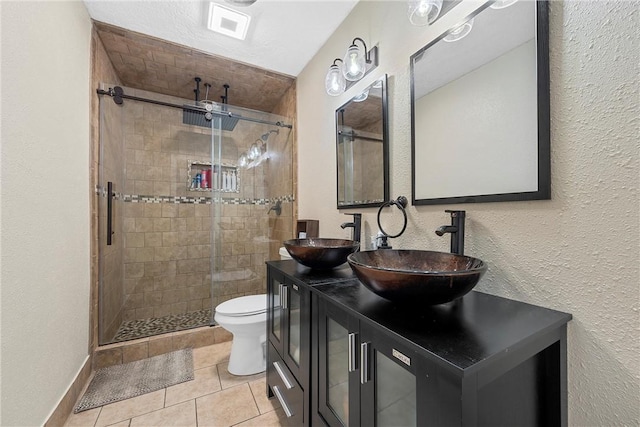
(246,318)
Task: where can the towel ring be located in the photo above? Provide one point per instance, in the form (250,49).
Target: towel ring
(401,203)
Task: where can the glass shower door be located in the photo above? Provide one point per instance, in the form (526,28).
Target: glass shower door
(252,201)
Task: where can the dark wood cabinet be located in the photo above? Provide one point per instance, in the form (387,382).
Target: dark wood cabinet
(288,357)
(288,322)
(365,361)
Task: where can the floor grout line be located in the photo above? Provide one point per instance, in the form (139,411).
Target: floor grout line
(217,370)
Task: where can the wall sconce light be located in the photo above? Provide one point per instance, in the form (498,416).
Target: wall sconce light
(356,64)
(355,61)
(257,152)
(459,32)
(334,83)
(424,12)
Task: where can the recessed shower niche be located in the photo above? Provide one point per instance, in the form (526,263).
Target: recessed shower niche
(176,253)
(203,176)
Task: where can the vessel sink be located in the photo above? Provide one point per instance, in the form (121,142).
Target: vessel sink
(415,276)
(321,253)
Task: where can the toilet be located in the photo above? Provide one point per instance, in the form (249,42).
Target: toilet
(246,318)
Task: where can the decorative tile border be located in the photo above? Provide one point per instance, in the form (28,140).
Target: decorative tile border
(138,198)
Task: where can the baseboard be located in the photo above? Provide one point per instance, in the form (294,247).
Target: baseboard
(64,408)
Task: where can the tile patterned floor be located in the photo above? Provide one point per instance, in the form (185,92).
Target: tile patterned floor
(134,329)
(213,398)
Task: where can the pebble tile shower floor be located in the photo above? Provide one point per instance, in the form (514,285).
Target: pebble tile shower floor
(134,329)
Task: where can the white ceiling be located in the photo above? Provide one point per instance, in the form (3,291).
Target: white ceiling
(283,37)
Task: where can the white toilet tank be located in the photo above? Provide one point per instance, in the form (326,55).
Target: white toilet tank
(284,254)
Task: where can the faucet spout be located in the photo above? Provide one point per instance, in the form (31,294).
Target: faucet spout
(456,229)
(440,231)
(356,225)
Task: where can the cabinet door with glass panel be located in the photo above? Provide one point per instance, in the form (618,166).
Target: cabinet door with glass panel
(288,326)
(365,377)
(388,381)
(338,375)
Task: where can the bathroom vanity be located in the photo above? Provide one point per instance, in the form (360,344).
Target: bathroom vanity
(340,355)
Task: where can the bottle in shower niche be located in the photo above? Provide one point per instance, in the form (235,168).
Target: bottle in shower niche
(225,181)
(234,181)
(214,179)
(204,173)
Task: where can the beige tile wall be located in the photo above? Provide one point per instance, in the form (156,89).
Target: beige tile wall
(167,246)
(282,177)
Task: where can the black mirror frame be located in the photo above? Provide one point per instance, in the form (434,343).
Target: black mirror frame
(544,128)
(385,149)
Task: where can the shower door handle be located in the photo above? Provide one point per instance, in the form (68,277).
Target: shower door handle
(109,212)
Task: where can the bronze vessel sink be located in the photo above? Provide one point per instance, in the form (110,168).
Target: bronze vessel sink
(423,277)
(321,253)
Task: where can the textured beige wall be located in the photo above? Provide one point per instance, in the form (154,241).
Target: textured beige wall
(578,252)
(45,205)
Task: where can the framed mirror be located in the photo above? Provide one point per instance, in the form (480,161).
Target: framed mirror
(362,148)
(480,108)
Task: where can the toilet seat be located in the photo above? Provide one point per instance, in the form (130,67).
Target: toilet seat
(243,306)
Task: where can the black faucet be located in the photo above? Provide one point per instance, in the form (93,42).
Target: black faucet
(457,231)
(356,225)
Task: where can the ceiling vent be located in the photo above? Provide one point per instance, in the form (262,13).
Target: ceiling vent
(227,21)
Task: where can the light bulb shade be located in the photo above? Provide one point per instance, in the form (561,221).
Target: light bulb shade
(459,32)
(501,4)
(424,12)
(334,83)
(254,152)
(361,97)
(242,161)
(354,64)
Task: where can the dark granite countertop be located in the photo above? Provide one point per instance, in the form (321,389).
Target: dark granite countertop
(462,335)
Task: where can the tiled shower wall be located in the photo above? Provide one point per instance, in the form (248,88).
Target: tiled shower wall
(167,245)
(168,228)
(282,179)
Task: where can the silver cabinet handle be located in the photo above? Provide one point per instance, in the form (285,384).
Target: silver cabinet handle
(285,297)
(280,293)
(283,402)
(352,351)
(283,375)
(364,362)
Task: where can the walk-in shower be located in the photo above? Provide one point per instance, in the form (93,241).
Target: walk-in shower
(186,217)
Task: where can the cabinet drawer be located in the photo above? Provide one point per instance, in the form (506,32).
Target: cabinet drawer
(284,386)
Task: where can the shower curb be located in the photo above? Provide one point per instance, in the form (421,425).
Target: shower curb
(129,351)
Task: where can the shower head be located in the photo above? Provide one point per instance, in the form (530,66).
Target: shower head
(203,118)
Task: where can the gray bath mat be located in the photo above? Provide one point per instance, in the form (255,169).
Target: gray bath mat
(122,382)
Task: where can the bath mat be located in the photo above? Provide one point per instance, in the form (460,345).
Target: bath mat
(121,382)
